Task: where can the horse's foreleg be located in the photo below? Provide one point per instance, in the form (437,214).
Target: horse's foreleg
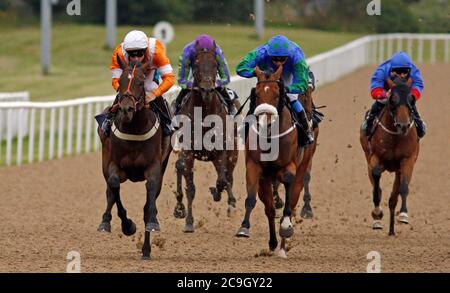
(288,179)
(306,211)
(105,225)
(252,175)
(128,226)
(393,202)
(266,195)
(190,191)
(179,211)
(112,191)
(406,168)
(375,170)
(221,183)
(153,175)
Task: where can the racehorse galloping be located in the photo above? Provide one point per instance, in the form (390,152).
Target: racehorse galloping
(204,96)
(393,146)
(260,174)
(135,151)
(303,177)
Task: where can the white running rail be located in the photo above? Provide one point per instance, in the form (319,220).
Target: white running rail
(47,130)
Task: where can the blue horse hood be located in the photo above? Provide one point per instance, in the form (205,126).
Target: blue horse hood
(401,59)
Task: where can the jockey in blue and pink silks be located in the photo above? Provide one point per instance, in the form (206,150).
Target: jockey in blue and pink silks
(398,67)
(185,76)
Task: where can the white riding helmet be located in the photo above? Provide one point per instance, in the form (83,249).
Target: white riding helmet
(135,40)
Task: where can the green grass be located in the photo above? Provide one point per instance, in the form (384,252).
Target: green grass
(80,61)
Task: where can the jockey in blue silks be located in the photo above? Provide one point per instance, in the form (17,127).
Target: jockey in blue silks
(399,66)
(278,51)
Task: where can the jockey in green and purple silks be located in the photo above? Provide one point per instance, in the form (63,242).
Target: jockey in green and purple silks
(185,76)
(280,51)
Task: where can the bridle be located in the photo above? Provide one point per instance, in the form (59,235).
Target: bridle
(195,67)
(135,101)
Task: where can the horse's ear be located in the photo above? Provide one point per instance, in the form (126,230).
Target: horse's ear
(277,74)
(258,72)
(121,64)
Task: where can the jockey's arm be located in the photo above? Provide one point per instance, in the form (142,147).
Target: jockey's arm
(222,69)
(300,78)
(162,63)
(246,68)
(417,84)
(116,71)
(377,84)
(184,69)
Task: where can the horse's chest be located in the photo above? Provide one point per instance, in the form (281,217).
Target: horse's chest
(133,161)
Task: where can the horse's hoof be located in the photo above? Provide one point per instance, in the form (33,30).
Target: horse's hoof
(282,253)
(216,195)
(179,213)
(377,225)
(243,232)
(306,213)
(391,233)
(145,257)
(128,228)
(188,228)
(104,227)
(152,227)
(403,218)
(286,232)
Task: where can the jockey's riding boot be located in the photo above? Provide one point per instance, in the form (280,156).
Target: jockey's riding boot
(303,120)
(300,118)
(370,117)
(420,125)
(231,108)
(164,115)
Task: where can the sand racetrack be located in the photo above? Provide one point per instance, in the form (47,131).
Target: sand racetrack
(51,208)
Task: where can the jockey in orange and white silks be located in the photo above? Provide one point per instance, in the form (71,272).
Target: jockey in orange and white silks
(136,46)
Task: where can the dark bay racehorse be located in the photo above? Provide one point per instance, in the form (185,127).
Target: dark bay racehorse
(270,105)
(394,147)
(303,178)
(206,98)
(134,151)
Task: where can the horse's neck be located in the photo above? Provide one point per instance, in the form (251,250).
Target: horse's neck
(207,108)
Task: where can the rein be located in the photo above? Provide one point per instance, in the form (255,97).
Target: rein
(129,94)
